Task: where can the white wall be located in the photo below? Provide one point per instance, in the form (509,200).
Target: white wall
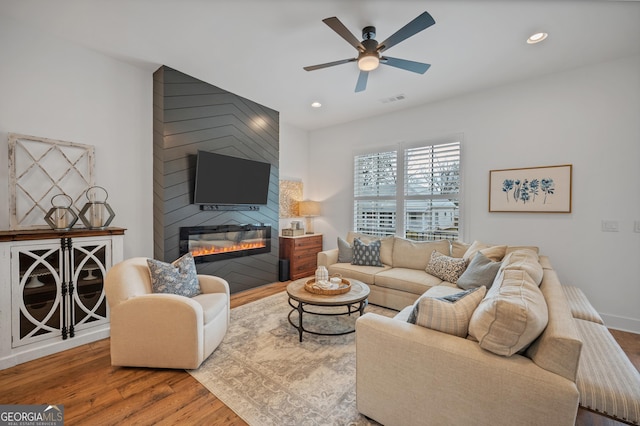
(294,159)
(586,117)
(53,89)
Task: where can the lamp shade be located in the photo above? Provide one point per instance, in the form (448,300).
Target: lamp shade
(309,208)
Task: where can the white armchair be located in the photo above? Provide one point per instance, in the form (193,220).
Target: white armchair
(163,330)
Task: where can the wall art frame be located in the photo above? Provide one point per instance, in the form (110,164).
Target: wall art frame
(290,196)
(545,189)
(41,168)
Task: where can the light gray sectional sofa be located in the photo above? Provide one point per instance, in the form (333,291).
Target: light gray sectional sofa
(526,351)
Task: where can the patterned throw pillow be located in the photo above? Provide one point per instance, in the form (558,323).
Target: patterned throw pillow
(445,267)
(366,254)
(449,314)
(179,277)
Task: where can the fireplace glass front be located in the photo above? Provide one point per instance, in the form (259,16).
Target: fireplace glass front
(219,242)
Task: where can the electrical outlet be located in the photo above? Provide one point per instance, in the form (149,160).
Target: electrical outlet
(609,226)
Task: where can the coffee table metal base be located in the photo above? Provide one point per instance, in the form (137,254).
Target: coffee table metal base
(299,308)
(352,308)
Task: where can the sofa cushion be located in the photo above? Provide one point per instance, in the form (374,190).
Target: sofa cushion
(179,277)
(366,274)
(513,314)
(607,380)
(448,314)
(459,248)
(495,253)
(403,279)
(345,251)
(511,249)
(445,267)
(580,306)
(558,347)
(480,272)
(416,254)
(386,244)
(366,254)
(545,262)
(213,304)
(525,260)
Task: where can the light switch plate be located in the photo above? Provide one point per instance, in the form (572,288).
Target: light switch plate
(609,226)
(636,226)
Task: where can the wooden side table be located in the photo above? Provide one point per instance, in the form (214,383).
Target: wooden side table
(302,252)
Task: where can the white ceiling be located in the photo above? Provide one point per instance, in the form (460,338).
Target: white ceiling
(257,48)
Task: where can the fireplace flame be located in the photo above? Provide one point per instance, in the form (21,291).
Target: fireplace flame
(206,251)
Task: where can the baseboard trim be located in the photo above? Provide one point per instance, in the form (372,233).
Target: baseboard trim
(631,325)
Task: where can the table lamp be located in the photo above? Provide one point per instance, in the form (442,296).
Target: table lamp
(309,209)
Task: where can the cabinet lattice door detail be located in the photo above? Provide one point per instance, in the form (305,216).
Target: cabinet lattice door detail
(89,300)
(37,300)
(60,289)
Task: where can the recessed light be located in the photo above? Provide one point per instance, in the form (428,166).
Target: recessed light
(316,104)
(537,38)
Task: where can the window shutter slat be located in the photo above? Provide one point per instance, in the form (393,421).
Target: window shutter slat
(429,196)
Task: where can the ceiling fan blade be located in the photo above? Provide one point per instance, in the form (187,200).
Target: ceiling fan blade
(362,81)
(328,64)
(337,26)
(422,22)
(417,67)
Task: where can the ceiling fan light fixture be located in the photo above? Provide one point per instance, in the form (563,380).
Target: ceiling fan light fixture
(537,38)
(368,62)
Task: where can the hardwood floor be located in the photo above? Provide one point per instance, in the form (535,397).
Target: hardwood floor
(95,393)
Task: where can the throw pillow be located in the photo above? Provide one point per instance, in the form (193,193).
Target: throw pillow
(345,251)
(525,260)
(513,315)
(446,268)
(366,254)
(495,253)
(480,272)
(179,277)
(386,244)
(448,314)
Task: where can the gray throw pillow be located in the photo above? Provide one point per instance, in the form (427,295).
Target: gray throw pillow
(179,277)
(366,254)
(480,272)
(345,252)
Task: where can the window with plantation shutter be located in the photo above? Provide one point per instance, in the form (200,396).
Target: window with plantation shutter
(375,189)
(412,191)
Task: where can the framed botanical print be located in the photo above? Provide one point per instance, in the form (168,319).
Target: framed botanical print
(532,190)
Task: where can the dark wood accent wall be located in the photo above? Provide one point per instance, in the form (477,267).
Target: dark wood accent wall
(191,115)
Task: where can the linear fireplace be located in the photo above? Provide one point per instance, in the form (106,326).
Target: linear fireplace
(220,242)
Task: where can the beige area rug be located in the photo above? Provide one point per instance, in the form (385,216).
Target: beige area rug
(266,376)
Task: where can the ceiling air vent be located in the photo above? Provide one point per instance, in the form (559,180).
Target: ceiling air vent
(392,99)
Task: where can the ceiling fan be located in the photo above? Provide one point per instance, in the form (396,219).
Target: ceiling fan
(369,50)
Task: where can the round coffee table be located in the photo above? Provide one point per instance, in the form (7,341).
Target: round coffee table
(355,300)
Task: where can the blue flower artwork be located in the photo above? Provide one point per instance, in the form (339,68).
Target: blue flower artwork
(533,189)
(527,190)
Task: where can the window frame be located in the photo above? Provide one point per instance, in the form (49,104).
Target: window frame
(400,197)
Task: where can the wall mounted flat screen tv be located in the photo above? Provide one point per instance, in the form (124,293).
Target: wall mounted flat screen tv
(222,179)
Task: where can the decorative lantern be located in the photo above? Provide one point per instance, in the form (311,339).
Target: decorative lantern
(96,214)
(60,217)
